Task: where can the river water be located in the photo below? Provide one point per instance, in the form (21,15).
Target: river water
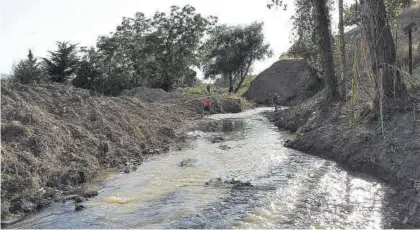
(289,189)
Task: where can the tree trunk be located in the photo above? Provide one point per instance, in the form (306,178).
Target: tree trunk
(378,35)
(325,49)
(230,83)
(243,75)
(239,84)
(342,50)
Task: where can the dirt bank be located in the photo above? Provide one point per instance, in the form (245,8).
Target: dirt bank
(326,131)
(56,137)
(293,81)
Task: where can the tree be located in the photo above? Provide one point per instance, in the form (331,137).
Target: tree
(311,26)
(62,63)
(342,49)
(156,51)
(352,13)
(189,79)
(89,75)
(323,25)
(231,51)
(381,47)
(27,71)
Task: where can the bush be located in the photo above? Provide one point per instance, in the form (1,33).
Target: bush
(194,90)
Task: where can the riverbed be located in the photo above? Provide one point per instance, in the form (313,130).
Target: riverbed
(278,187)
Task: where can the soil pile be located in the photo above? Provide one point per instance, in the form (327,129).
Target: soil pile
(325,130)
(189,102)
(56,137)
(292,80)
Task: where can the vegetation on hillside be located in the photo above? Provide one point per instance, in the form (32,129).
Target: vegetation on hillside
(378,44)
(28,70)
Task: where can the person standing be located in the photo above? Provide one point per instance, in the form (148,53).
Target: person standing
(275,101)
(207,104)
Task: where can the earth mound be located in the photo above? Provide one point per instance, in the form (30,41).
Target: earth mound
(292,80)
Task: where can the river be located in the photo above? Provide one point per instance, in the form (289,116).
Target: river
(289,189)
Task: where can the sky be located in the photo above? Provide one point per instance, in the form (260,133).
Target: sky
(38,24)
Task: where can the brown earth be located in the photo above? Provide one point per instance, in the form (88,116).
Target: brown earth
(292,80)
(326,131)
(56,137)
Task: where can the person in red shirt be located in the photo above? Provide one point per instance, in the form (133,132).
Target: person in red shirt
(207,104)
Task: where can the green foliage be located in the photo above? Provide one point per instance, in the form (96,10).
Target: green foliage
(231,51)
(27,71)
(62,63)
(277,3)
(139,132)
(156,52)
(352,16)
(245,86)
(288,56)
(188,79)
(305,36)
(90,74)
(194,90)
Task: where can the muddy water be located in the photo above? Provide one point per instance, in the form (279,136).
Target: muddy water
(289,189)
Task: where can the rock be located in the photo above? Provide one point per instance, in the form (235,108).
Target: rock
(43,204)
(89,194)
(57,197)
(78,207)
(290,79)
(27,206)
(217,140)
(79,199)
(224,147)
(235,183)
(126,169)
(187,162)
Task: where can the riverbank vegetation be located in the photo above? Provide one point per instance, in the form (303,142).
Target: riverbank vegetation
(367,112)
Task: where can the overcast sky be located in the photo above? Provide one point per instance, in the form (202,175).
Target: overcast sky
(37,24)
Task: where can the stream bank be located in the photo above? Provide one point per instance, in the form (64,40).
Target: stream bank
(236,173)
(55,138)
(327,131)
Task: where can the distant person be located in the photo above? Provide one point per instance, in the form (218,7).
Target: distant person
(207,104)
(275,101)
(208,88)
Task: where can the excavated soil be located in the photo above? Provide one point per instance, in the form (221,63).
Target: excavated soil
(293,81)
(326,131)
(57,137)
